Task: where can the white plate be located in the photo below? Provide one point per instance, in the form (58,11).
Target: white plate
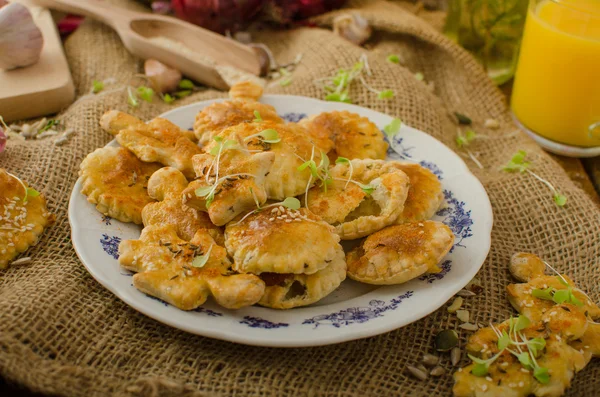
(354,310)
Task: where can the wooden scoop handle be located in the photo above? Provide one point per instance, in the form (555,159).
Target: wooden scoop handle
(97,9)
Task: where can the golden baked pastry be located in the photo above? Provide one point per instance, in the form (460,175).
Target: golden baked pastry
(354,213)
(23,217)
(184,273)
(166,186)
(400,253)
(239,109)
(157,141)
(557,320)
(424,196)
(353,136)
(115,180)
(285,291)
(229,183)
(280,240)
(291,151)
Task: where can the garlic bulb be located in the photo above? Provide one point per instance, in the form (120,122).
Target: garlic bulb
(352,27)
(21,41)
(163,78)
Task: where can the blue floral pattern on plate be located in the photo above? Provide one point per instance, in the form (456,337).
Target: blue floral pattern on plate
(257,322)
(106,220)
(456,218)
(110,245)
(210,312)
(293,117)
(357,315)
(431,277)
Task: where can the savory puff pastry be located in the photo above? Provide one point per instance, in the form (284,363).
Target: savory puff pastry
(239,109)
(424,196)
(166,186)
(400,253)
(23,218)
(353,136)
(357,214)
(163,265)
(285,291)
(279,240)
(157,141)
(284,179)
(241,183)
(116,180)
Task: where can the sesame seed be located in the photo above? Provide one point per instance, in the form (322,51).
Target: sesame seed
(512,385)
(488,379)
(484,387)
(298,220)
(281,208)
(586,347)
(271,219)
(274,210)
(521,384)
(524,370)
(288,220)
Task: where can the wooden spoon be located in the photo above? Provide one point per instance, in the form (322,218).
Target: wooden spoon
(191,49)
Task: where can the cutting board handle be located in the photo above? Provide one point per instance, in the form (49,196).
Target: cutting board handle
(97,9)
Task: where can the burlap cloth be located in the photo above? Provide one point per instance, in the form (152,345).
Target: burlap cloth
(61,332)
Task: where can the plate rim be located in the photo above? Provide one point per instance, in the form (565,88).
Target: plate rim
(357,333)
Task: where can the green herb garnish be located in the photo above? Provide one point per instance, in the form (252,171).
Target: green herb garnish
(132,98)
(393,58)
(167,98)
(269,136)
(201,260)
(518,164)
(419,76)
(50,124)
(393,127)
(186,84)
(183,94)
(97,86)
(257,117)
(385,94)
(146,93)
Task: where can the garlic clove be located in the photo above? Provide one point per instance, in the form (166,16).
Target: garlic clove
(265,57)
(21,41)
(163,78)
(352,27)
(3,3)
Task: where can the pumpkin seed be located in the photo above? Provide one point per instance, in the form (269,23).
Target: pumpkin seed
(455,305)
(469,327)
(463,315)
(446,340)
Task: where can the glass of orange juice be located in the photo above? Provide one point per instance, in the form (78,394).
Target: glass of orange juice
(556,92)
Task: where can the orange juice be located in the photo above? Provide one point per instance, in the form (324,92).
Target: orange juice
(556,91)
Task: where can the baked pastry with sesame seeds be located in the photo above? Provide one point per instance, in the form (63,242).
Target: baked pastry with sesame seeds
(281,240)
(400,253)
(115,180)
(185,273)
(23,217)
(286,291)
(364,197)
(353,136)
(239,109)
(230,181)
(292,149)
(166,186)
(156,141)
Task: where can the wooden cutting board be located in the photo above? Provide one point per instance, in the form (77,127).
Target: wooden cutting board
(43,88)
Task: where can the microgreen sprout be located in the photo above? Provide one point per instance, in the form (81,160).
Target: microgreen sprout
(466,138)
(29,191)
(393,127)
(208,192)
(186,84)
(183,94)
(518,164)
(257,117)
(132,98)
(50,124)
(525,350)
(269,136)
(419,76)
(557,296)
(201,260)
(291,203)
(337,88)
(344,160)
(286,79)
(97,86)
(393,58)
(146,93)
(167,98)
